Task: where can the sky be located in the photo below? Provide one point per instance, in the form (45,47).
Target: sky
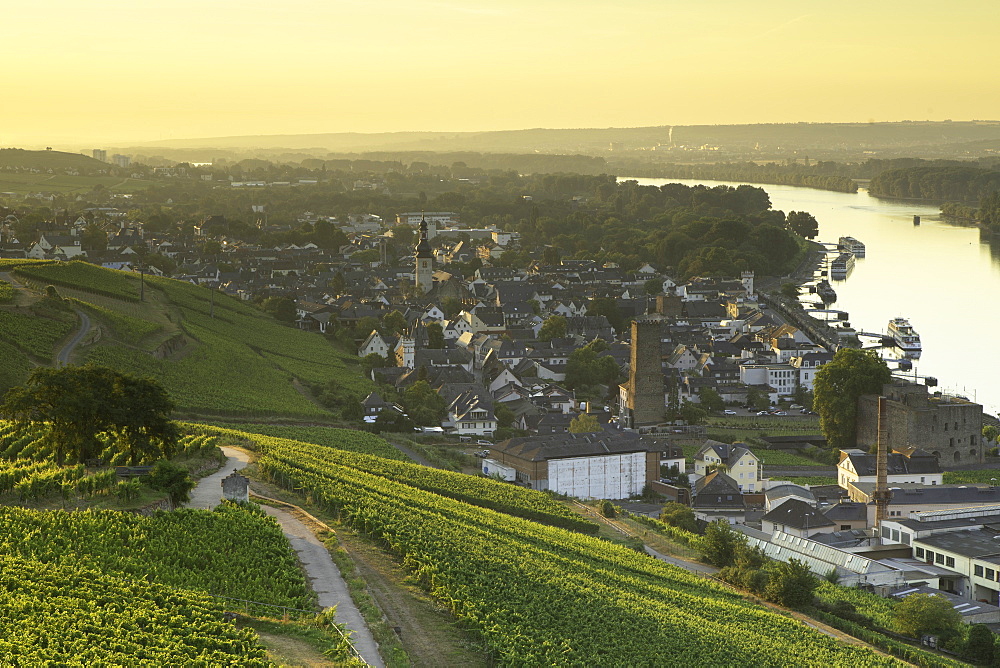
(118,71)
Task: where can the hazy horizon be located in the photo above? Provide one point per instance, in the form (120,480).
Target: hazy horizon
(113,72)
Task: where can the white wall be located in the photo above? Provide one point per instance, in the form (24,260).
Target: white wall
(603,477)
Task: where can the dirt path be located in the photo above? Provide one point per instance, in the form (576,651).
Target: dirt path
(323,574)
(62,358)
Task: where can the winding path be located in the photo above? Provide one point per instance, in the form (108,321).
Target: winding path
(62,359)
(323,574)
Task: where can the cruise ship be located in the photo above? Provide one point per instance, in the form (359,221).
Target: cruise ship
(842,266)
(826,292)
(851,245)
(903,334)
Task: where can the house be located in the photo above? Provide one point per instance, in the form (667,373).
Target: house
(797,518)
(910,465)
(601,465)
(736,460)
(471,413)
(718,496)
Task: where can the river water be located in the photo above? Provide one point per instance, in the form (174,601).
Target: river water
(944,278)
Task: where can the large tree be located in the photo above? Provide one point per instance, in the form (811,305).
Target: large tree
(839,384)
(926,614)
(85,405)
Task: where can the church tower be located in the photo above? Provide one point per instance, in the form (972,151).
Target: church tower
(424,257)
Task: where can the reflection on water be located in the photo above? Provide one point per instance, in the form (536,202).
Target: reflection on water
(943,277)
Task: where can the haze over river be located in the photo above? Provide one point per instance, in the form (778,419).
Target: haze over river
(940,276)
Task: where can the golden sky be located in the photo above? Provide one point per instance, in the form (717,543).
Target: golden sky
(116,70)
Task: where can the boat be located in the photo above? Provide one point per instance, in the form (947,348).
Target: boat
(916,220)
(826,292)
(842,266)
(851,245)
(903,334)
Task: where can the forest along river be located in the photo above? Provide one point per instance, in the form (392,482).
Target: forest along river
(944,278)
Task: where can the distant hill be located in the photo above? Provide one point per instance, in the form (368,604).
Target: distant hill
(845,138)
(44,160)
(215,355)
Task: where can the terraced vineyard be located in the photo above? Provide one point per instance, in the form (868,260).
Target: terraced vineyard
(340,439)
(233,360)
(77,616)
(542,595)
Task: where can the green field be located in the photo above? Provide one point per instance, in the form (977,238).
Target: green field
(21,183)
(982,476)
(230,359)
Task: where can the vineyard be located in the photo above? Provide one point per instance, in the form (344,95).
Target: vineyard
(542,595)
(340,439)
(77,616)
(28,473)
(232,360)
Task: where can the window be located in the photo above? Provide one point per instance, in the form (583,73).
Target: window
(991,574)
(906,538)
(949,562)
(845,527)
(978,571)
(918,552)
(939,559)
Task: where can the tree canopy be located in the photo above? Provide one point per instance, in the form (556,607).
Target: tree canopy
(85,405)
(839,384)
(926,614)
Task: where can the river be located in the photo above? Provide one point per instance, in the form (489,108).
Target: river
(942,277)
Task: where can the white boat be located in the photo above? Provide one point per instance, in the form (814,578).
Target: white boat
(903,334)
(851,245)
(842,266)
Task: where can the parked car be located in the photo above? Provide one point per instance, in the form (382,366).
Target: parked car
(763,412)
(780,413)
(481,442)
(729,411)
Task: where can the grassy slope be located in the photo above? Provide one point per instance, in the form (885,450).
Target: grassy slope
(238,363)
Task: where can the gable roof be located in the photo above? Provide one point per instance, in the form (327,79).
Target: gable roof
(558,446)
(797,514)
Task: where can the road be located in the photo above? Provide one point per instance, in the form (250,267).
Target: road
(323,574)
(62,359)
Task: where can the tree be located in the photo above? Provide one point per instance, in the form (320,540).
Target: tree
(790,291)
(173,479)
(926,614)
(711,400)
(721,544)
(837,388)
(692,413)
(394,322)
(586,367)
(584,423)
(424,405)
(981,645)
(990,433)
(679,515)
(609,309)
(505,416)
(451,306)
(803,224)
(554,327)
(790,583)
(550,255)
(757,398)
(81,404)
(435,336)
(282,308)
(653,286)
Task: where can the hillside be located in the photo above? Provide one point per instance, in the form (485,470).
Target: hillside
(844,139)
(56,160)
(226,359)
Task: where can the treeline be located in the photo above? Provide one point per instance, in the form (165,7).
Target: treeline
(941,181)
(822,175)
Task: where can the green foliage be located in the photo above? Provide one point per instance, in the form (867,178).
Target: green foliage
(79,404)
(839,384)
(173,479)
(584,423)
(692,413)
(977,476)
(981,647)
(435,336)
(680,516)
(233,551)
(505,417)
(554,327)
(127,328)
(571,595)
(339,439)
(36,336)
(53,614)
(82,276)
(424,406)
(281,308)
(926,614)
(802,224)
(6,292)
(721,544)
(608,509)
(789,291)
(711,400)
(586,367)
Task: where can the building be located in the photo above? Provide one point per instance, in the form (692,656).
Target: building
(796,518)
(909,499)
(434,218)
(100,154)
(122,161)
(915,466)
(717,496)
(600,465)
(736,460)
(642,398)
(948,427)
(424,262)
